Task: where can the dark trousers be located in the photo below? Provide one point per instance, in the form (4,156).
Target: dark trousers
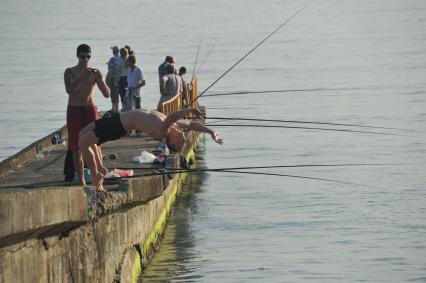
(137,102)
(122,84)
(69,169)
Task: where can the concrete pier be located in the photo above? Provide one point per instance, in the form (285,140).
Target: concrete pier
(51,231)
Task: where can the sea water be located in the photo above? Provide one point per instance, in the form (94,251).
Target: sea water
(366,61)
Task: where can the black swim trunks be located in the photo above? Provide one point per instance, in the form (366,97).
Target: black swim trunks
(109,128)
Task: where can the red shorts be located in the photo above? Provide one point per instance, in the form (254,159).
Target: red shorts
(79,117)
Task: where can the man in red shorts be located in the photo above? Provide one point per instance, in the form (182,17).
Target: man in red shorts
(80,81)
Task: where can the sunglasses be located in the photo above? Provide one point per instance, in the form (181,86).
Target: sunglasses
(84,56)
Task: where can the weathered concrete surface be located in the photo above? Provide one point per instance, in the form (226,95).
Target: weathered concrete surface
(29,213)
(47,170)
(132,186)
(108,241)
(12,163)
(131,267)
(95,252)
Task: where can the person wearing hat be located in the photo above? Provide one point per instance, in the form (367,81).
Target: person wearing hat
(113,77)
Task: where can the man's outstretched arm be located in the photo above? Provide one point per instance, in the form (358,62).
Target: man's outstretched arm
(197,126)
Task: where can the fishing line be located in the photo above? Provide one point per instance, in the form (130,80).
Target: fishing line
(260,173)
(282,90)
(205,57)
(268,167)
(232,108)
(306,128)
(298,176)
(198,51)
(254,48)
(302,122)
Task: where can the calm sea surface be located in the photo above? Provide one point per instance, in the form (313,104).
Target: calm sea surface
(231,227)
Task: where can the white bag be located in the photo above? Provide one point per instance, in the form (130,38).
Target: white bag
(145,157)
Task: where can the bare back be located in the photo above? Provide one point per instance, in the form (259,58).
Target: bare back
(79,84)
(147,121)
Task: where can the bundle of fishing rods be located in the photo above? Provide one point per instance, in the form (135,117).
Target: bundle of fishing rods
(162,171)
(279,123)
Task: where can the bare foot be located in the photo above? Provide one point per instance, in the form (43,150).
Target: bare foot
(100,188)
(98,179)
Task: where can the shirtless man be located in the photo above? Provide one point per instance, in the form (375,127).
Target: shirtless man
(80,81)
(151,122)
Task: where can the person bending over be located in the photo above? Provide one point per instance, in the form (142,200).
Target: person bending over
(151,122)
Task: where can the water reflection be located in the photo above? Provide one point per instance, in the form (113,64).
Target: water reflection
(174,262)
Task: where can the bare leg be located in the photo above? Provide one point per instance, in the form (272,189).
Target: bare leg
(86,142)
(97,177)
(78,165)
(98,158)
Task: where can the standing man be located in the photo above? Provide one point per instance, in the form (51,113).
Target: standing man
(122,71)
(113,77)
(80,81)
(162,68)
(182,71)
(135,81)
(170,85)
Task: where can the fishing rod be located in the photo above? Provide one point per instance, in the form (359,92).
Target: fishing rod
(281,91)
(232,108)
(303,122)
(262,173)
(270,167)
(305,128)
(205,57)
(250,51)
(198,51)
(300,177)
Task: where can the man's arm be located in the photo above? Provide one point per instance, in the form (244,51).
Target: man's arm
(163,85)
(112,65)
(141,79)
(72,85)
(140,83)
(101,84)
(197,126)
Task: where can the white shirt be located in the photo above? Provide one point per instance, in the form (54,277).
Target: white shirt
(135,77)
